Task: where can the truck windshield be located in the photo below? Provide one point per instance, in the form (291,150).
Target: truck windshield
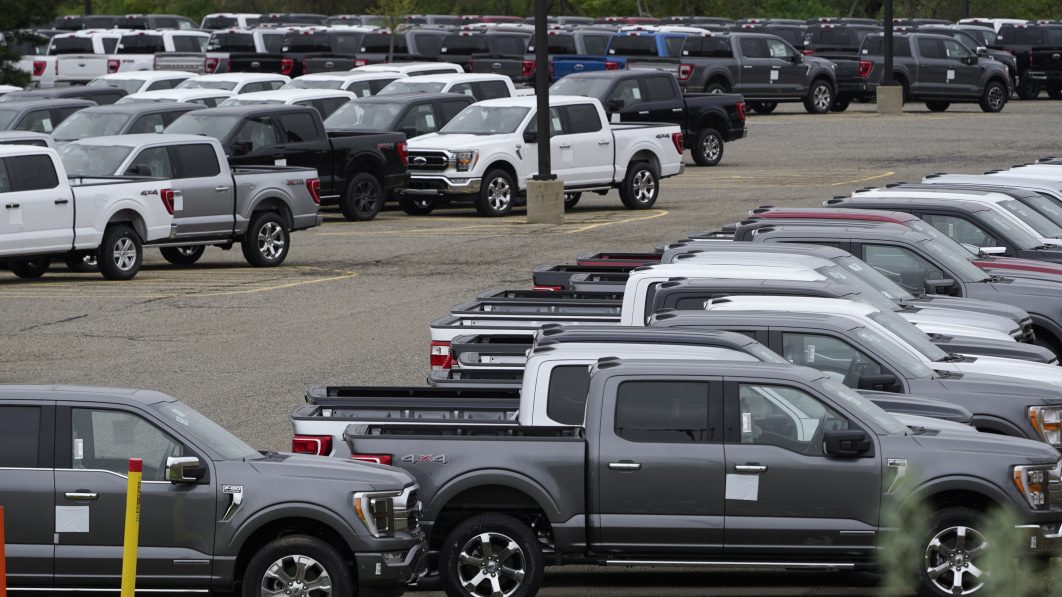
(207,432)
(129,85)
(485,120)
(584,86)
(872,278)
(364,116)
(907,332)
(867,293)
(212,126)
(863,408)
(92,160)
(1011,232)
(955,258)
(1034,219)
(411,87)
(89,124)
(209,84)
(896,354)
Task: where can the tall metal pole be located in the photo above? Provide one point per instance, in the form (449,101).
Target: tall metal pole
(88,7)
(545,168)
(965,9)
(887,76)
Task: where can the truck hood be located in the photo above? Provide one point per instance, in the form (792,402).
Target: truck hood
(1024,286)
(915,422)
(968,305)
(359,474)
(435,141)
(1018,266)
(1003,367)
(1025,451)
(1027,392)
(957,323)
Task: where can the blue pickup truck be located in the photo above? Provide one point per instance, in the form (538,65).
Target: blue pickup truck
(626,49)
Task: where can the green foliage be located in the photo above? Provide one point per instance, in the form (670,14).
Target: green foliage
(392,13)
(14,17)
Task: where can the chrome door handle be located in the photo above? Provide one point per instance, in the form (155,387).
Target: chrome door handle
(565,146)
(676,109)
(12,206)
(751,468)
(62,201)
(643,112)
(605,142)
(82,496)
(222,189)
(625,466)
(748,66)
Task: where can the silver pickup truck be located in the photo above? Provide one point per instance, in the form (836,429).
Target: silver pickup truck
(214,204)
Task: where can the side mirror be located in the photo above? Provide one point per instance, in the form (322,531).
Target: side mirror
(851,443)
(884,382)
(241,148)
(992,250)
(942,286)
(614,105)
(530,137)
(981,51)
(970,60)
(183,469)
(796,58)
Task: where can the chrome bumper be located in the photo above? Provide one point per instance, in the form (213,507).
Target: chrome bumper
(1043,538)
(441,185)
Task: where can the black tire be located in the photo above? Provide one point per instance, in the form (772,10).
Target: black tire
(641,186)
(120,254)
(502,532)
(994,97)
(363,198)
(183,255)
(497,194)
(937,106)
(81,263)
(417,205)
(280,554)
(840,105)
(571,200)
(1028,89)
(763,107)
(819,98)
(944,526)
(707,148)
(716,87)
(30,269)
(1054,92)
(266,242)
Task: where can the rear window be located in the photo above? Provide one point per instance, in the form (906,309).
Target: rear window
(595,45)
(707,47)
(463,45)
(231,42)
(219,22)
(633,45)
(314,42)
(566,401)
(140,44)
(507,44)
(558,44)
(380,43)
(70,45)
(187,43)
(19,436)
(832,36)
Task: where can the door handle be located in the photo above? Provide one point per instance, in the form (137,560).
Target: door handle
(748,66)
(82,495)
(751,468)
(625,465)
(12,206)
(644,112)
(565,146)
(605,142)
(222,189)
(676,109)
(62,201)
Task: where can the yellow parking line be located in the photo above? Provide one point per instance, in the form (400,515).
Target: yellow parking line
(859,180)
(659,213)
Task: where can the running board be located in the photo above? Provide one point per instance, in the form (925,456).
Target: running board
(729,564)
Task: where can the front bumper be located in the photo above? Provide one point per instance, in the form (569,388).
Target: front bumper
(1043,538)
(387,573)
(427,184)
(1050,76)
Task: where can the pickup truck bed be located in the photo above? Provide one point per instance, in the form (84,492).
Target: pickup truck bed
(558,277)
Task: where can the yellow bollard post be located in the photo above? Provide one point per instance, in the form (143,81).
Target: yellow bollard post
(132,527)
(3,561)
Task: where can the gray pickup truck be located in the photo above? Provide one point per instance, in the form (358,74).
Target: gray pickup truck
(712,464)
(214,204)
(215,513)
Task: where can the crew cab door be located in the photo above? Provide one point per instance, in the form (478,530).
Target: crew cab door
(902,265)
(784,495)
(203,199)
(305,144)
(11,217)
(961,77)
(657,475)
(789,73)
(966,231)
(931,75)
(27,490)
(591,145)
(756,66)
(44,206)
(94,444)
(561,151)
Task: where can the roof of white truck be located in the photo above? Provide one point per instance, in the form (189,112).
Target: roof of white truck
(13,150)
(143,138)
(532,101)
(793,304)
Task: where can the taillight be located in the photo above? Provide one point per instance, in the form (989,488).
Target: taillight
(807,52)
(287,66)
(314,186)
(167,199)
(403,152)
(741,110)
(527,69)
(611,65)
(372,458)
(112,65)
(440,355)
(210,65)
(676,138)
(685,71)
(38,67)
(315,445)
(360,62)
(865,68)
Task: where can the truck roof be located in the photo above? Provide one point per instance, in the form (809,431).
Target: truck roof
(879,231)
(943,190)
(721,368)
(816,250)
(458,78)
(292,95)
(412,97)
(67,393)
(253,109)
(559,334)
(26,106)
(139,139)
(791,304)
(739,270)
(967,204)
(1002,179)
(136,108)
(823,321)
(13,150)
(529,101)
(870,215)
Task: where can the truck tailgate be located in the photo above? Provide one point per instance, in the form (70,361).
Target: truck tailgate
(511,66)
(80,67)
(189,62)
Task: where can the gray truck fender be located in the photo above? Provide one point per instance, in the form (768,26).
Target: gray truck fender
(997,425)
(956,483)
(720,73)
(500,477)
(270,196)
(332,520)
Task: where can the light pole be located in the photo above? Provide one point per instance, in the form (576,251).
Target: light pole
(889,94)
(88,7)
(545,194)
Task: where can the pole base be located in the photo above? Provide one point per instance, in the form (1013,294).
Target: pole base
(545,202)
(890,99)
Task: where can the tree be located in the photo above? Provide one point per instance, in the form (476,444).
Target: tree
(15,18)
(393,14)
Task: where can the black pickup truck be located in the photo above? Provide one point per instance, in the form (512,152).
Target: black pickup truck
(1033,46)
(357,170)
(839,43)
(499,52)
(707,120)
(297,47)
(413,45)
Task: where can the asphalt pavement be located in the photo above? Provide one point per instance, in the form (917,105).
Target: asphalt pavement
(352,303)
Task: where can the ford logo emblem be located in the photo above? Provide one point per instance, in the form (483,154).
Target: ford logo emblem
(329,64)
(419,161)
(1056,56)
(496,65)
(578,67)
(256,64)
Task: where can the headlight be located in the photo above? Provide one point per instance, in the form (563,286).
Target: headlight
(1047,421)
(377,511)
(465,160)
(1032,483)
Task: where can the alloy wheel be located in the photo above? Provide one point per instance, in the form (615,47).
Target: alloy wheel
(296,576)
(364,196)
(271,241)
(125,254)
(950,560)
(644,186)
(499,194)
(491,565)
(710,148)
(822,98)
(995,98)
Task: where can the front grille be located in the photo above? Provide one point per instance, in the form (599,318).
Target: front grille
(428,160)
(426,185)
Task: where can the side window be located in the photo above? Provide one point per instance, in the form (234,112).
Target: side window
(450,109)
(272,85)
(298,128)
(930,48)
(256,133)
(463,88)
(253,87)
(901,266)
(778,49)
(556,126)
(148,123)
(490,90)
(961,230)
(954,50)
(38,121)
(5,180)
(32,173)
(902,47)
(360,88)
(627,91)
(566,401)
(662,412)
(154,161)
(197,161)
(832,356)
(754,47)
(420,120)
(107,439)
(375,86)
(582,118)
(785,417)
(658,89)
(329,105)
(19,435)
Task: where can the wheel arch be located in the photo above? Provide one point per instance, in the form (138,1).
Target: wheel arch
(718,76)
(274,203)
(502,164)
(134,218)
(957,491)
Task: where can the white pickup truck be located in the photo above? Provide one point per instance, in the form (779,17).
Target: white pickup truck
(489,152)
(136,49)
(76,57)
(46,216)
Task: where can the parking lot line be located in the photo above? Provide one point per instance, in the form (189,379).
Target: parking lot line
(512,225)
